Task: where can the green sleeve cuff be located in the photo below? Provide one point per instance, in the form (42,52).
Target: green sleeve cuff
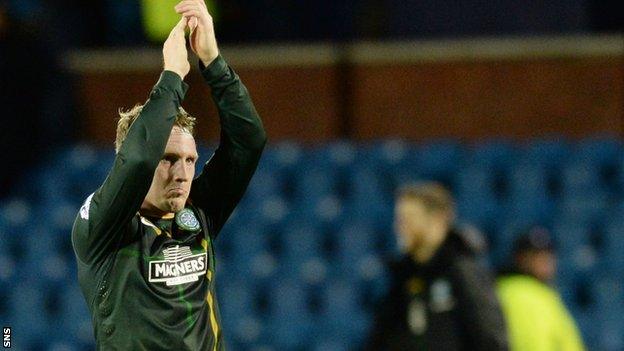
(217,70)
(171,81)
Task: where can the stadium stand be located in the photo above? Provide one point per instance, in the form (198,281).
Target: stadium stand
(304,251)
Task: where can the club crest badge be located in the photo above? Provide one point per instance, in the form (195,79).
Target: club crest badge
(186,220)
(442,299)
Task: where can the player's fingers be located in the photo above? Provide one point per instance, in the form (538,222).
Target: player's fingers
(185,8)
(197,2)
(192,23)
(186,4)
(181,26)
(202,3)
(178,30)
(192,13)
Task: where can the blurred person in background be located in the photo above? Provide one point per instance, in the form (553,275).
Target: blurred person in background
(441,297)
(158,17)
(144,240)
(536,317)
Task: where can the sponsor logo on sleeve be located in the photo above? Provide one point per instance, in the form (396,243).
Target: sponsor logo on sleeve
(179,266)
(84,210)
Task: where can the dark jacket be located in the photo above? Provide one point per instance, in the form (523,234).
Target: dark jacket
(446,304)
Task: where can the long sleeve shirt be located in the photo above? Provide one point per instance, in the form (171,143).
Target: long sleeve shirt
(150,286)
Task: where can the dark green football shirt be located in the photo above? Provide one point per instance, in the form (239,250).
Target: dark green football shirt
(148,282)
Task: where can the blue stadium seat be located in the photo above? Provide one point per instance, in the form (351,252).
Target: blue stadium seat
(38,241)
(265,183)
(608,296)
(73,314)
(300,243)
(475,181)
(439,160)
(52,269)
(8,279)
(27,310)
(366,197)
(602,151)
(62,217)
(272,210)
(612,253)
(290,319)
(577,254)
(392,155)
(18,225)
(238,298)
(338,155)
(507,231)
(526,180)
(497,155)
(585,206)
(283,158)
(312,184)
(528,196)
(578,178)
(15,213)
(250,245)
(85,168)
(329,344)
(354,241)
(548,152)
(239,310)
(5,239)
(587,323)
(403,177)
(611,330)
(618,177)
(59,345)
(303,254)
(248,330)
(480,209)
(341,312)
(328,212)
(53,187)
(607,291)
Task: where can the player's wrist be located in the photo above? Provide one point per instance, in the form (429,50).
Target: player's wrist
(209,58)
(181,72)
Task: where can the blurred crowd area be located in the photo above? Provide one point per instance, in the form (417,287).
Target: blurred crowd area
(301,260)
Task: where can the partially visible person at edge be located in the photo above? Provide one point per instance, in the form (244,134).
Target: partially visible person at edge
(144,239)
(441,297)
(537,319)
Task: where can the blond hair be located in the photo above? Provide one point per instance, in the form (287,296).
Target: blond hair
(126,118)
(434,197)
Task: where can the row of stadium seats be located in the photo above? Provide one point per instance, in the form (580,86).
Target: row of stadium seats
(554,167)
(291,242)
(316,223)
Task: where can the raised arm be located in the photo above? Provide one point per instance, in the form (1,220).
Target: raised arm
(102,220)
(225,177)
